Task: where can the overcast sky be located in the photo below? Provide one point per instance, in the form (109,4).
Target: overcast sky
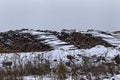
(59,14)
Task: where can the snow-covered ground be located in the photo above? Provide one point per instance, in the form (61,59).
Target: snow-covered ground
(42,78)
(61,50)
(116,77)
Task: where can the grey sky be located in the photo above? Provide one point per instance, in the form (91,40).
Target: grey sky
(59,14)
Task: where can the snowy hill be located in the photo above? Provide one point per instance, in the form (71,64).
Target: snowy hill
(68,48)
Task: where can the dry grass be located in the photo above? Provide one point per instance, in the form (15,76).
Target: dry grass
(94,68)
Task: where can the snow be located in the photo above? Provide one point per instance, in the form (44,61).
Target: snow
(49,39)
(37,78)
(116,77)
(112,39)
(42,78)
(61,51)
(102,51)
(59,54)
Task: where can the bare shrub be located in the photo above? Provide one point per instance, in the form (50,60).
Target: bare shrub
(61,71)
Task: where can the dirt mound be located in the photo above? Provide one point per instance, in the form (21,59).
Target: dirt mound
(14,41)
(82,41)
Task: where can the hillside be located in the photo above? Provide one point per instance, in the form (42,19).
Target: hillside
(83,53)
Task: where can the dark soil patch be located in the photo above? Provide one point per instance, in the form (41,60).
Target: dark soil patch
(14,41)
(82,41)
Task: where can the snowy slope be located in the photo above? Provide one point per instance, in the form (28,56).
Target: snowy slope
(62,49)
(110,37)
(51,40)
